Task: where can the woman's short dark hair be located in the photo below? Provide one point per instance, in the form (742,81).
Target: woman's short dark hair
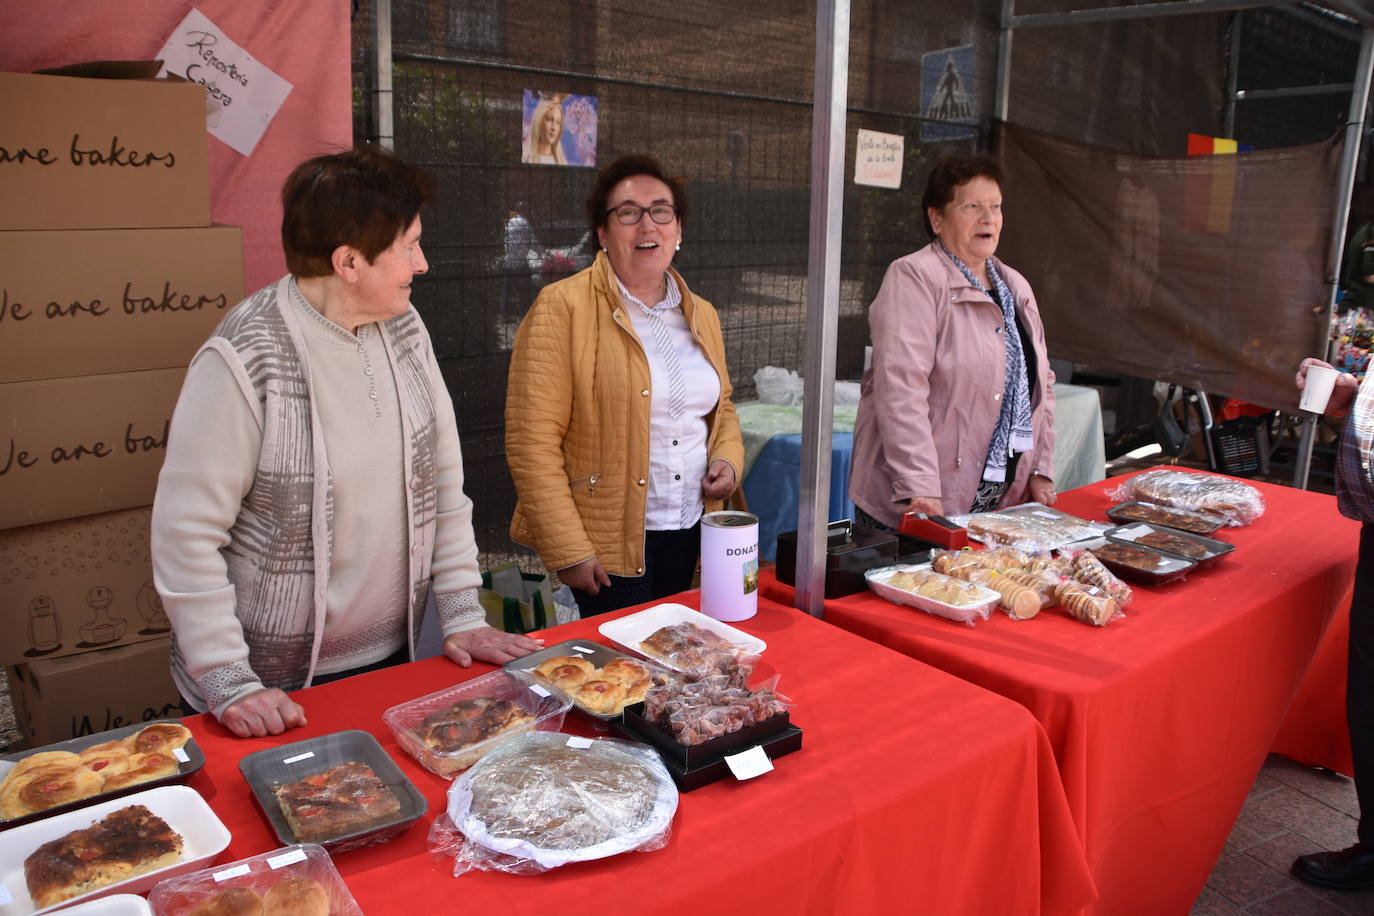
(948,174)
(628,167)
(363,198)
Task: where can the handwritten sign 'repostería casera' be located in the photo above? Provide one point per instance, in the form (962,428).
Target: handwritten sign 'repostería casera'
(243,95)
(878,159)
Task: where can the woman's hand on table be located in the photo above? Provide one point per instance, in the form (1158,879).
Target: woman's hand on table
(263,712)
(588,576)
(1042,489)
(719,481)
(930,505)
(488,644)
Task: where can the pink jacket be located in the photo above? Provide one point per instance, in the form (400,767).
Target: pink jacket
(930,400)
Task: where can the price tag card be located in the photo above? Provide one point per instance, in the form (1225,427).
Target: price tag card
(181,755)
(1055,516)
(750,763)
(5,899)
(299,757)
(582,649)
(290,857)
(235,872)
(540,691)
(1133,532)
(575,741)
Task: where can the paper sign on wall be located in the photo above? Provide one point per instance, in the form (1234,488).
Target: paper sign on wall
(878,159)
(242,95)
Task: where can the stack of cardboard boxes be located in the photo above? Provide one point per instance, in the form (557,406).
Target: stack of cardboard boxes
(111,276)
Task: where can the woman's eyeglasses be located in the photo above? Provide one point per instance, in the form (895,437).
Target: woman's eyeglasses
(631,214)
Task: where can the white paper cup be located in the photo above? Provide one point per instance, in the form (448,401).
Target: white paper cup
(1316,388)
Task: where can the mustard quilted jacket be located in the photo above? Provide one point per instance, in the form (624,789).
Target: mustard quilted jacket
(577,421)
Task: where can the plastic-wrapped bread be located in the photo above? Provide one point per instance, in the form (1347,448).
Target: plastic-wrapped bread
(1017,600)
(1096,609)
(1089,570)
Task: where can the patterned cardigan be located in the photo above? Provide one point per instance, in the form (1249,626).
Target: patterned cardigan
(279,546)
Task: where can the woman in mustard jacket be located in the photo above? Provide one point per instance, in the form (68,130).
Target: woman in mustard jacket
(620,431)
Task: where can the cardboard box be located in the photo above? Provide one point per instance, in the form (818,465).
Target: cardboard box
(112,300)
(61,698)
(79,446)
(72,586)
(79,153)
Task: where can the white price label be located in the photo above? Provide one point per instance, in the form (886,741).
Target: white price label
(750,763)
(299,757)
(237,871)
(575,741)
(583,649)
(286,858)
(5,898)
(1053,516)
(181,755)
(1133,532)
(535,688)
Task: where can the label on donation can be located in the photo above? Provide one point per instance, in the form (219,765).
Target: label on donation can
(730,565)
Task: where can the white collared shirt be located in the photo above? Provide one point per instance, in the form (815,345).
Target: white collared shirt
(677,448)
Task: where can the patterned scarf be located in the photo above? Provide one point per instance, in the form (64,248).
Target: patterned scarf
(1013,431)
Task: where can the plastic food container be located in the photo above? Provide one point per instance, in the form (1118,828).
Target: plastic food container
(702,764)
(203,837)
(631,630)
(1201,550)
(593,652)
(189,759)
(266,770)
(545,705)
(878,583)
(1140,564)
(1182,519)
(299,873)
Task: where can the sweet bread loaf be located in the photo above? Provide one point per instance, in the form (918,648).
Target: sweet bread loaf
(296,897)
(236,901)
(125,843)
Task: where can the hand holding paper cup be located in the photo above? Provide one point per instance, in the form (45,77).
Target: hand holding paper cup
(1317,387)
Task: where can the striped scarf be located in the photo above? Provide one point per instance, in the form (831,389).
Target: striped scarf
(1013,431)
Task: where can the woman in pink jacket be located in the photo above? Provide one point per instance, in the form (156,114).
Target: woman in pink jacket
(957,410)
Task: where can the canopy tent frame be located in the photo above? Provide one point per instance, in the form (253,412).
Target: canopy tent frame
(1359,104)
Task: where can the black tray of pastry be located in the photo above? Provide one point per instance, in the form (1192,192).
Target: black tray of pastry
(340,790)
(1195,547)
(1192,522)
(589,673)
(93,768)
(701,764)
(1142,565)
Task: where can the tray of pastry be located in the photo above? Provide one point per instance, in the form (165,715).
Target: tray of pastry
(451,729)
(1140,564)
(297,880)
(1182,519)
(75,773)
(1195,547)
(679,637)
(339,790)
(600,680)
(125,845)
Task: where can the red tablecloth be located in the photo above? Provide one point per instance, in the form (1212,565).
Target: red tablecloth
(913,792)
(1159,721)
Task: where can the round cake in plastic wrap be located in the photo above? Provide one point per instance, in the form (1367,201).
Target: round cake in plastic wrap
(546,799)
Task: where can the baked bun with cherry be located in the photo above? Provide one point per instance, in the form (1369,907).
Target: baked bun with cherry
(142,768)
(566,672)
(604,698)
(38,788)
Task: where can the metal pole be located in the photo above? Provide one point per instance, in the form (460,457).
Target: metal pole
(1002,103)
(822,297)
(1345,185)
(1233,72)
(381,73)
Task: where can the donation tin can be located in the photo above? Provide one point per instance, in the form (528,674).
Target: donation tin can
(730,565)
